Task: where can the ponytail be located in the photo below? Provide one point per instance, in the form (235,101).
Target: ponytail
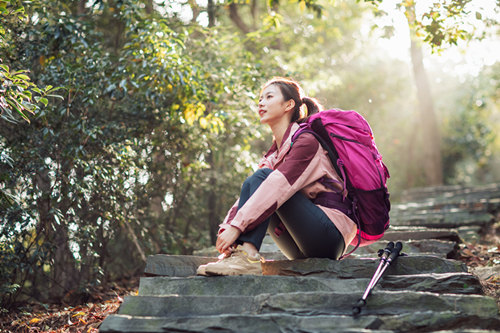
(312,106)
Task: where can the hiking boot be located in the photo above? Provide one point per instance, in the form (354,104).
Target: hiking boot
(201,270)
(238,263)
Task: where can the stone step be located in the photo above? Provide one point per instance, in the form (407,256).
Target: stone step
(264,323)
(406,233)
(448,283)
(448,193)
(441,248)
(428,208)
(443,220)
(178,265)
(245,285)
(268,251)
(470,234)
(375,256)
(174,265)
(271,323)
(395,233)
(472,205)
(251,285)
(409,235)
(308,304)
(438,247)
(361,268)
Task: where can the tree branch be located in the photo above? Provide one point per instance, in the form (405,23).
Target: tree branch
(195,9)
(236,18)
(134,239)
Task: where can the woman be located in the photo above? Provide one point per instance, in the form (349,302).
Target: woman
(291,195)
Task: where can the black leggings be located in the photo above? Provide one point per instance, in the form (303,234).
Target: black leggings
(304,229)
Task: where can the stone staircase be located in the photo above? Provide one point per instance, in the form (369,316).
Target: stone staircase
(426,291)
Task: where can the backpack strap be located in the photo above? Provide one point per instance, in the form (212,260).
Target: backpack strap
(321,134)
(356,220)
(317,129)
(334,200)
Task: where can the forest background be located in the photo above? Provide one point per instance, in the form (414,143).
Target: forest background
(127,126)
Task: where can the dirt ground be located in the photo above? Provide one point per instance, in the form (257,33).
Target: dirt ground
(66,318)
(483,259)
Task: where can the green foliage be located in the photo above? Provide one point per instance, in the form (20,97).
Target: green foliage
(445,23)
(19,96)
(470,131)
(10,8)
(136,159)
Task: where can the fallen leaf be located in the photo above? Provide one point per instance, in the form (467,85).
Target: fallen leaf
(81,313)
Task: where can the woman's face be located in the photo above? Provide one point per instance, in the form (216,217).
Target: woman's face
(272,106)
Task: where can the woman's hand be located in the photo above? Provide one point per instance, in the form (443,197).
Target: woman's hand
(227,238)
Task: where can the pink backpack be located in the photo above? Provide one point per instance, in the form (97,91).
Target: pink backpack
(348,139)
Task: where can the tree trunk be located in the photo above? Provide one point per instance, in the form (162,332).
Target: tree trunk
(431,143)
(133,237)
(195,8)
(255,13)
(277,44)
(236,18)
(64,275)
(149,6)
(431,140)
(211,13)
(63,271)
(81,7)
(213,222)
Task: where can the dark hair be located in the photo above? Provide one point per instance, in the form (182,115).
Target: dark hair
(290,89)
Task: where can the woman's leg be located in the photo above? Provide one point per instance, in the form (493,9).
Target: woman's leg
(308,232)
(283,239)
(254,236)
(246,261)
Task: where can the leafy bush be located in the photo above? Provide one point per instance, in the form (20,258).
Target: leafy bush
(137,159)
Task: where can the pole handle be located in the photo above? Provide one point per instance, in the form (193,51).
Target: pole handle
(395,252)
(384,253)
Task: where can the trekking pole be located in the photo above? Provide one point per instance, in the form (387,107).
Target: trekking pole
(396,252)
(389,254)
(383,254)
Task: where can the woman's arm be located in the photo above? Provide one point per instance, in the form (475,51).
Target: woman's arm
(300,167)
(227,238)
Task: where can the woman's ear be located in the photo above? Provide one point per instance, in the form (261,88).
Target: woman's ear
(290,104)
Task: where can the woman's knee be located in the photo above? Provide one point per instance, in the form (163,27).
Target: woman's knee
(257,177)
(262,173)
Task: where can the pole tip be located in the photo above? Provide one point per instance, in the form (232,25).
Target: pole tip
(356,310)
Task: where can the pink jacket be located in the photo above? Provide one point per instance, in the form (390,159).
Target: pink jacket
(297,167)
